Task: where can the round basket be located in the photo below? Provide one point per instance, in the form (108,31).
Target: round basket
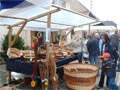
(80,76)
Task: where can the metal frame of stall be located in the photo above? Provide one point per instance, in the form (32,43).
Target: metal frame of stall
(24,22)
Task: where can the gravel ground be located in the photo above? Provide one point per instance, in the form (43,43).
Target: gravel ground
(62,83)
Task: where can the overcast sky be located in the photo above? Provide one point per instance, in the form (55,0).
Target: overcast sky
(105,9)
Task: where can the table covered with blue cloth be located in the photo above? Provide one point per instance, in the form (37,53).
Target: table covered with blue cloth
(20,66)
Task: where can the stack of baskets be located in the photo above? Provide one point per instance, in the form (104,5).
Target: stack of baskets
(28,53)
(13,53)
(80,76)
(16,53)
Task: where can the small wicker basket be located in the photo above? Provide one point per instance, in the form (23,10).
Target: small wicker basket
(80,76)
(13,52)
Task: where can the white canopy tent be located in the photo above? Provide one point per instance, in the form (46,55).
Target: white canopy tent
(63,19)
(41,15)
(28,4)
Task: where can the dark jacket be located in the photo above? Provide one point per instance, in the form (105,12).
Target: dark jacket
(109,49)
(108,68)
(115,40)
(93,47)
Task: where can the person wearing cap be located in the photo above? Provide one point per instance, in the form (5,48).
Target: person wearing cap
(108,68)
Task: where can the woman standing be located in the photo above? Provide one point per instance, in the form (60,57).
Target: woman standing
(107,47)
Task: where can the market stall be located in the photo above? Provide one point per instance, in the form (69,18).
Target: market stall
(50,19)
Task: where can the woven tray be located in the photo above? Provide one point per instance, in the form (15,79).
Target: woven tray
(80,76)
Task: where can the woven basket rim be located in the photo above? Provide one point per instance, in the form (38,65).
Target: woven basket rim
(80,64)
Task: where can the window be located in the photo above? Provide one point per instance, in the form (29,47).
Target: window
(60,3)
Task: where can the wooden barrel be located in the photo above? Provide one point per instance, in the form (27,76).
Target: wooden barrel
(80,76)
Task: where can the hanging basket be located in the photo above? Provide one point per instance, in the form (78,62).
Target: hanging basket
(80,76)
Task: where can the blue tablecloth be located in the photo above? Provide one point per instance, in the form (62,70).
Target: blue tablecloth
(64,61)
(20,66)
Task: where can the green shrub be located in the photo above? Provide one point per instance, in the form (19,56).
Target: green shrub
(19,43)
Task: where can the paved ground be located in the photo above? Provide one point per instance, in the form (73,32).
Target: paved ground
(3,75)
(3,79)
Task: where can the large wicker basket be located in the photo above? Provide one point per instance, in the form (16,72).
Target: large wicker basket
(80,76)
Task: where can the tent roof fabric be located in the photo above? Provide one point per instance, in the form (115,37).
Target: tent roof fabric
(63,16)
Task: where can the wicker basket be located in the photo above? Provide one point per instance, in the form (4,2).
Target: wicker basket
(16,53)
(28,53)
(13,52)
(80,76)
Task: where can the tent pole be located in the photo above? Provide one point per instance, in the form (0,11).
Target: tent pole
(10,38)
(89,26)
(35,60)
(53,36)
(53,1)
(18,33)
(48,47)
(69,32)
(10,35)
(60,34)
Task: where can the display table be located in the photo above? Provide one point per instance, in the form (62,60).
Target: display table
(19,66)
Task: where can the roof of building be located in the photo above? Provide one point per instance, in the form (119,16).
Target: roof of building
(106,23)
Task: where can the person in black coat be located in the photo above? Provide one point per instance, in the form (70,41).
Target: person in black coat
(107,47)
(109,69)
(115,41)
(93,49)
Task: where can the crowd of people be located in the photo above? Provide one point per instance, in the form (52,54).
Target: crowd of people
(104,47)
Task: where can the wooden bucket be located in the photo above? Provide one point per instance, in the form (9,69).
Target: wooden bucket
(80,76)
